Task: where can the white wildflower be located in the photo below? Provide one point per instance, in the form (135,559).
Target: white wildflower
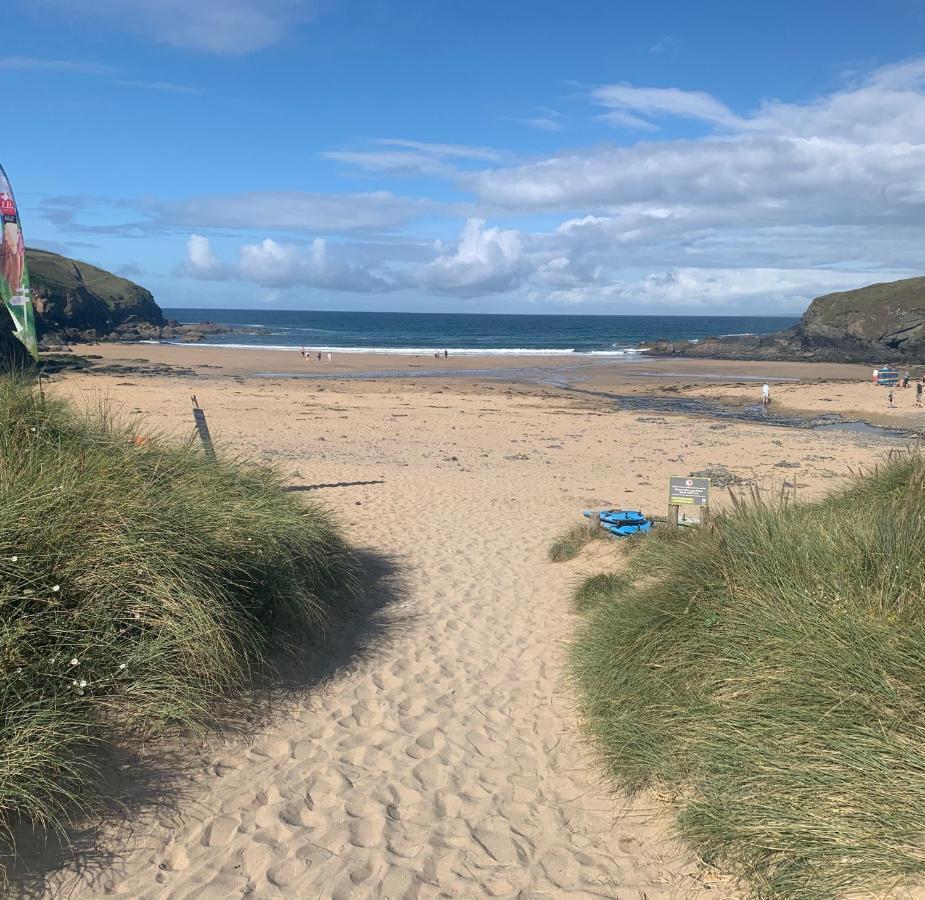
(74,682)
(121,666)
(14,558)
(55,588)
(137,615)
(75,661)
(83,683)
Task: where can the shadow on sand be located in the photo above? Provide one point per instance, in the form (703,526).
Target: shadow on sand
(157,782)
(294,488)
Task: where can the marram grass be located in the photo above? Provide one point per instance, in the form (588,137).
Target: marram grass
(138,585)
(769,673)
(570,543)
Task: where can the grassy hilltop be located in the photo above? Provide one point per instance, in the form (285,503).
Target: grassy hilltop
(876,324)
(768,672)
(69,294)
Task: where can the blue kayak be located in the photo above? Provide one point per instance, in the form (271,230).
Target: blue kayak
(622,522)
(620,516)
(626,530)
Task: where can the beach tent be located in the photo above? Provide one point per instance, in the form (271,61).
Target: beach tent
(888,376)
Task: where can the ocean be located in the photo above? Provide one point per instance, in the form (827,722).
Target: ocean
(465,333)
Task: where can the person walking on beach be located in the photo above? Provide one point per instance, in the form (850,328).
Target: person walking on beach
(329,357)
(302,351)
(890,399)
(919,386)
(765,394)
(906,378)
(876,376)
(446,354)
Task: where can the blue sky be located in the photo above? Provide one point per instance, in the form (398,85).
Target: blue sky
(590,157)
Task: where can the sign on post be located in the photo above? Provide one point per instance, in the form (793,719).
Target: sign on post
(688,491)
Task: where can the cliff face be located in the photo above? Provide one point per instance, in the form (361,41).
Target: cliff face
(875,324)
(75,299)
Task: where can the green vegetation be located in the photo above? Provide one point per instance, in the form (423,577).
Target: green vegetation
(139,584)
(769,673)
(73,294)
(596,589)
(568,545)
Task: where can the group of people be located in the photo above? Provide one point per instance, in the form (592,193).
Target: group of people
(306,354)
(446,354)
(902,382)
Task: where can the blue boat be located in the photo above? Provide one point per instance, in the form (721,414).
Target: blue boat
(626,530)
(622,522)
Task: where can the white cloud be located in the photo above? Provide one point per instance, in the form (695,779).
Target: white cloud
(217,26)
(626,101)
(738,290)
(294,210)
(201,262)
(484,261)
(280,265)
(855,155)
(397,156)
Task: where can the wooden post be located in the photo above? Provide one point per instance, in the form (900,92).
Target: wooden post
(594,523)
(673,515)
(704,515)
(199,417)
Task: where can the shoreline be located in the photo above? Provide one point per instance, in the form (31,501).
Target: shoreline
(726,389)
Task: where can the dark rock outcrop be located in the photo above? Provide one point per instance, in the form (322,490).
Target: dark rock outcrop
(872,324)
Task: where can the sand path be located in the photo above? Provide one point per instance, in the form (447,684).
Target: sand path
(442,765)
(445,761)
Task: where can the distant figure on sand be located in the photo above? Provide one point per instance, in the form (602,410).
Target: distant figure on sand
(302,351)
(889,397)
(329,357)
(319,357)
(765,394)
(906,378)
(876,376)
(446,354)
(919,385)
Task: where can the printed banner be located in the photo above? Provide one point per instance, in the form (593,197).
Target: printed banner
(14,274)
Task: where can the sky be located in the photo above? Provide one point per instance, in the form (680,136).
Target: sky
(595,156)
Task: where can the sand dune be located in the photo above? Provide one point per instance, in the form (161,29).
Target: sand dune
(444,761)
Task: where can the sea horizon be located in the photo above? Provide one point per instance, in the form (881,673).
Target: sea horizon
(463,333)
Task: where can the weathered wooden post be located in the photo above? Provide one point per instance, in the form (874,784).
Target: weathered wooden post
(594,523)
(199,417)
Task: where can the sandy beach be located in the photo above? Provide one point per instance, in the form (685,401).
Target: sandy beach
(439,756)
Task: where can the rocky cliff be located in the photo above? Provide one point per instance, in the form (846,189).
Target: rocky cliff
(874,324)
(75,300)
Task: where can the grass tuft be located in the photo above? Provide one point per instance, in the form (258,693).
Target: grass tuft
(596,589)
(569,544)
(138,585)
(769,673)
